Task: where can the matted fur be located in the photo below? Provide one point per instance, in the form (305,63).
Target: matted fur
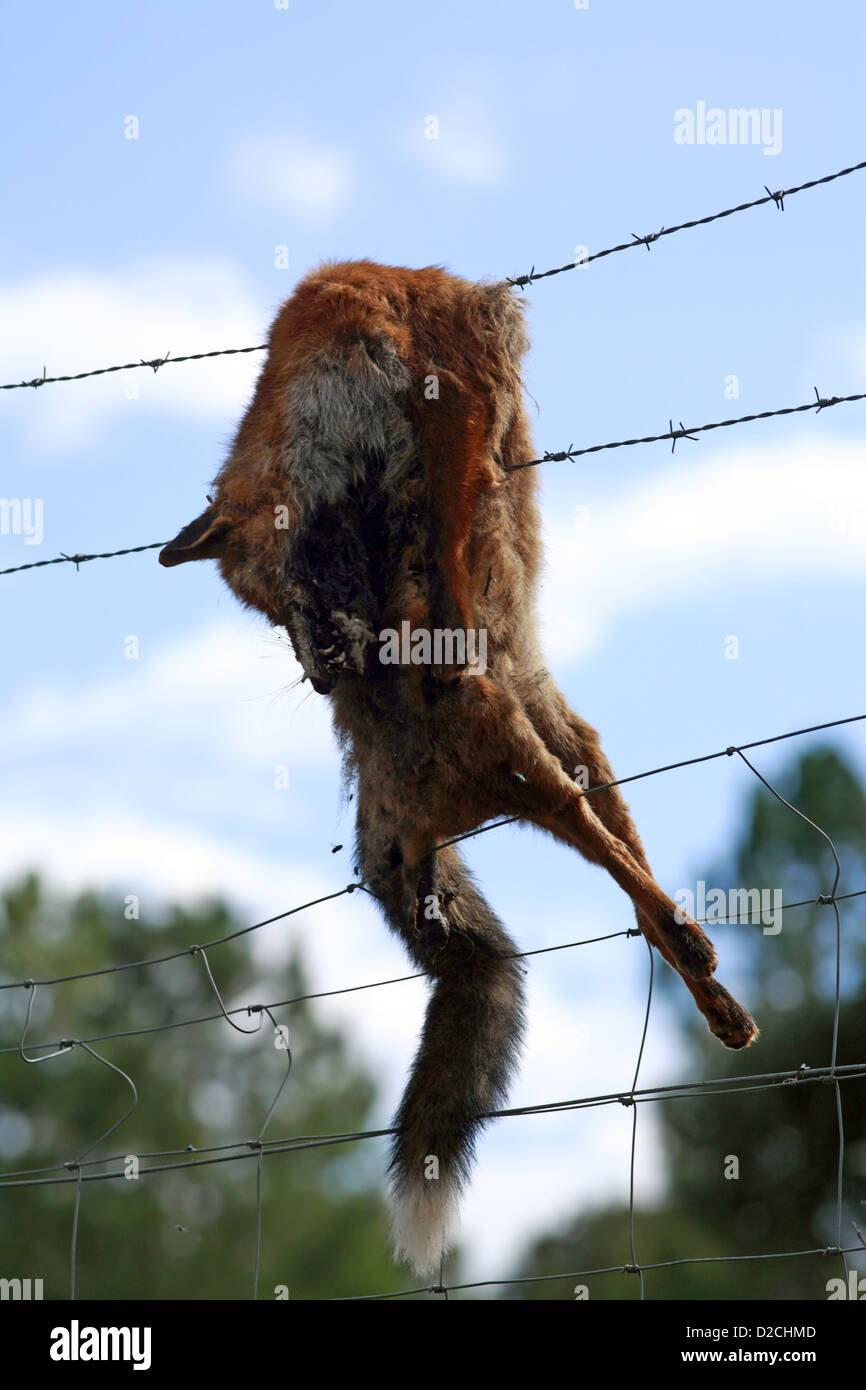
(368,486)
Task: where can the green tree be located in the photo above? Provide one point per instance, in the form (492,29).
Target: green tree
(188,1232)
(782,1142)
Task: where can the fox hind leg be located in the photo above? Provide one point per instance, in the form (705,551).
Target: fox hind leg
(576,745)
(534,785)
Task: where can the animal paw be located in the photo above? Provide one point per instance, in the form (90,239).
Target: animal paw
(727,1020)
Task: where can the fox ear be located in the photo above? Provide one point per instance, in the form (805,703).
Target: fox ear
(203,539)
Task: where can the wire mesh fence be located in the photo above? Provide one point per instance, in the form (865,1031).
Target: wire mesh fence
(83,1169)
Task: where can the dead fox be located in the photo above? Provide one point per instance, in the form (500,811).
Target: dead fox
(370,490)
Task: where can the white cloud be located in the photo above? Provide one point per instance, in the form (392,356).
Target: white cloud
(74,320)
(117,848)
(291,176)
(210,689)
(748,519)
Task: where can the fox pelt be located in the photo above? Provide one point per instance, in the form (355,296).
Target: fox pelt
(371,489)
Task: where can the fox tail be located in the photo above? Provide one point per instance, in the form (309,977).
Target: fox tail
(469,1049)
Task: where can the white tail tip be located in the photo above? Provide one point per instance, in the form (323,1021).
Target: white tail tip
(423,1221)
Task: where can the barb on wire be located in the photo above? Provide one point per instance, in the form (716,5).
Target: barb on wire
(643,240)
(681,433)
(821,402)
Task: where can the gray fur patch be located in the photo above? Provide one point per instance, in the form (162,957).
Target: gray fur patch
(338,414)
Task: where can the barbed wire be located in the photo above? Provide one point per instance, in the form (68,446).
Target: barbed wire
(77,560)
(777,198)
(519,281)
(154,363)
(820,403)
(688,432)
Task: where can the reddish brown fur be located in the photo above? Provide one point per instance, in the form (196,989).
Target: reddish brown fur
(400,505)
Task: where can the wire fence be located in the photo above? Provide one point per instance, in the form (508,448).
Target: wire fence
(83,1168)
(112,1168)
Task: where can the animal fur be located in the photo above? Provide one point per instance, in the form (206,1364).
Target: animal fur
(368,486)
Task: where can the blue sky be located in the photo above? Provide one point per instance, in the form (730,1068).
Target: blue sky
(304,128)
